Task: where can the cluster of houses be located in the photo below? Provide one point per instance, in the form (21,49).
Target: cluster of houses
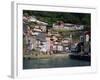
(67,26)
(37,38)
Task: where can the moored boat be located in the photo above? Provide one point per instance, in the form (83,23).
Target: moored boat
(80,57)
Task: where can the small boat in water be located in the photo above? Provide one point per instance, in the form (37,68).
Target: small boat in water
(80,57)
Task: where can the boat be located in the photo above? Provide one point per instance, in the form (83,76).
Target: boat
(80,57)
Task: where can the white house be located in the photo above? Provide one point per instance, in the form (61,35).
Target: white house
(68,26)
(39,24)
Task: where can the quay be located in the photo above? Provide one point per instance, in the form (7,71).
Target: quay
(40,56)
(70,55)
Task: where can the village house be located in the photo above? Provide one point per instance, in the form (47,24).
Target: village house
(38,24)
(67,26)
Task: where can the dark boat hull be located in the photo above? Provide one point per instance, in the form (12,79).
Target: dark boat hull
(80,57)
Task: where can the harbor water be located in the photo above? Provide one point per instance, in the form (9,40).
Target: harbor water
(53,63)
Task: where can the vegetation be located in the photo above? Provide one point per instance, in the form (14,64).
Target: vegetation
(51,17)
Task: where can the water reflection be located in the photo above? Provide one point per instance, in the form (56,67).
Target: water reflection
(53,63)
